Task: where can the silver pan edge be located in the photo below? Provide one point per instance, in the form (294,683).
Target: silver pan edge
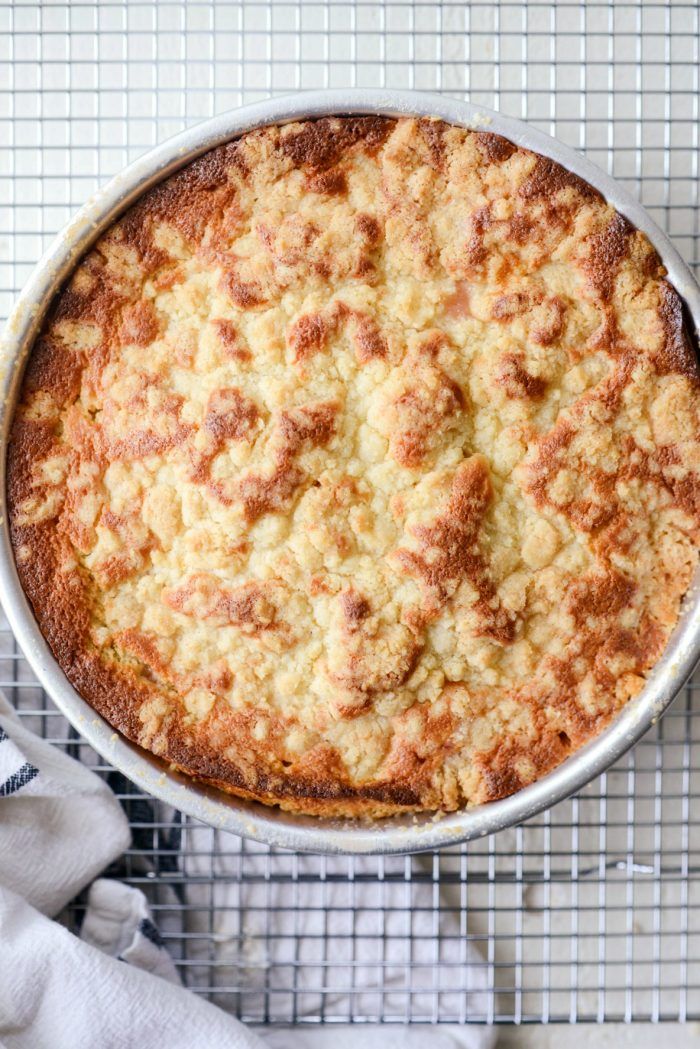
(250,819)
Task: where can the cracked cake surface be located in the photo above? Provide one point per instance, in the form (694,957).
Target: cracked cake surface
(355,468)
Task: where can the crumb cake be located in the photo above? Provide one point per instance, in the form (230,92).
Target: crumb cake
(355,468)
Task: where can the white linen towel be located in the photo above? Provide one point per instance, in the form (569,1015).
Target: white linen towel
(365,930)
(60,826)
(118,921)
(59,823)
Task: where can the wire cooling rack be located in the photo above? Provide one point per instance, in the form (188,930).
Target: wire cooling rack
(592,910)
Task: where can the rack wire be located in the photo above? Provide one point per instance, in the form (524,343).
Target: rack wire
(589,912)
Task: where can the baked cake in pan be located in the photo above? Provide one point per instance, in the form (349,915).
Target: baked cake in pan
(356,467)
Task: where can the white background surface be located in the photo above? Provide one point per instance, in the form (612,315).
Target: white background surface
(610,1036)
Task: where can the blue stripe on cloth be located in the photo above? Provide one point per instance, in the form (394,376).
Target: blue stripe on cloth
(148,929)
(3,735)
(18,779)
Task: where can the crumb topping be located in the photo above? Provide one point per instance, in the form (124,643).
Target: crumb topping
(356,467)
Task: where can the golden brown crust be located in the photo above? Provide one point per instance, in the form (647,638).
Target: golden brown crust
(356,467)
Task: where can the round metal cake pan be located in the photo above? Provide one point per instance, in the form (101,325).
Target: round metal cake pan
(250,819)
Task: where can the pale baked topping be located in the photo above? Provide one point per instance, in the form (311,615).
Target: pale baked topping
(357,466)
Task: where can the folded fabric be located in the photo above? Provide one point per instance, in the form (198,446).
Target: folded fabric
(352,922)
(118,921)
(60,824)
(57,992)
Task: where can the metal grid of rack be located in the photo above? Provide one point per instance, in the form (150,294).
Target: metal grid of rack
(589,912)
